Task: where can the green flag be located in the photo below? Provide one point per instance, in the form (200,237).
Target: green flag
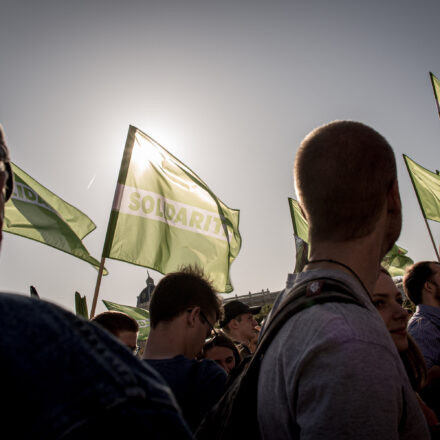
(140,315)
(300,226)
(164,216)
(81,306)
(396,261)
(301,234)
(436,88)
(427,187)
(35,212)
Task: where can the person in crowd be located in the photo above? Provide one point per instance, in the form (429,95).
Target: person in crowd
(332,371)
(183,311)
(422,285)
(254,341)
(389,303)
(221,349)
(239,324)
(121,326)
(65,377)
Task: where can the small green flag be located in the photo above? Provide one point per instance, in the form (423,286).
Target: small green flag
(427,187)
(300,225)
(164,216)
(81,306)
(396,261)
(140,315)
(436,88)
(35,212)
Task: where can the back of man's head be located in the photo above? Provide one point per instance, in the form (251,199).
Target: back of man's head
(415,278)
(116,322)
(343,173)
(180,291)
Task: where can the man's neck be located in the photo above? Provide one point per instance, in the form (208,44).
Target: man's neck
(362,256)
(163,344)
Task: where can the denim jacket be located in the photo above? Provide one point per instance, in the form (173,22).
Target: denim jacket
(66,378)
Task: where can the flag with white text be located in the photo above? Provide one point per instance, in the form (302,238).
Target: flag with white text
(35,212)
(164,216)
(142,317)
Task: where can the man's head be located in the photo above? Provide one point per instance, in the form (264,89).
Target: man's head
(239,321)
(123,327)
(422,283)
(187,299)
(345,173)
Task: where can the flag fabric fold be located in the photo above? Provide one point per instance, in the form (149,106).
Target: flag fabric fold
(427,187)
(140,315)
(164,216)
(35,212)
(396,261)
(436,88)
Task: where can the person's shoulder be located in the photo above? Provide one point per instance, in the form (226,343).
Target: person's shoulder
(209,368)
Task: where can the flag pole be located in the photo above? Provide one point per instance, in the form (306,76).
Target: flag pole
(421,208)
(98,285)
(114,213)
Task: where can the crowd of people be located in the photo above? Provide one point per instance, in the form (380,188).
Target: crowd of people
(358,369)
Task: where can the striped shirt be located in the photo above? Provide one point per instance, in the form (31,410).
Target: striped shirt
(424,327)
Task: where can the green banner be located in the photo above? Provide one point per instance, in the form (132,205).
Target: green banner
(35,212)
(395,261)
(81,306)
(164,216)
(427,187)
(140,315)
(300,225)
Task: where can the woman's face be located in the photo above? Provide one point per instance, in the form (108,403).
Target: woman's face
(388,302)
(223,356)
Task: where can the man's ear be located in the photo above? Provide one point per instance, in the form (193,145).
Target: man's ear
(427,287)
(393,198)
(233,324)
(192,316)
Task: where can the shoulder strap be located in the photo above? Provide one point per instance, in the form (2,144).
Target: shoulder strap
(235,415)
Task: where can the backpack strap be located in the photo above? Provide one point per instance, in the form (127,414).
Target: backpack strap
(235,415)
(301,297)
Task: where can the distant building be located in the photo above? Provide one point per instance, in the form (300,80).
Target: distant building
(143,300)
(254,299)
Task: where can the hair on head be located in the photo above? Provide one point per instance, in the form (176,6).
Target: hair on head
(343,172)
(178,291)
(116,322)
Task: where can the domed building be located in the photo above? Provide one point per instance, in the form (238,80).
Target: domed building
(143,300)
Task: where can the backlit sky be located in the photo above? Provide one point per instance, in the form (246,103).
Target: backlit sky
(230,88)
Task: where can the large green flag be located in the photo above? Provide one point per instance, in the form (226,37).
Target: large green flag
(35,212)
(140,315)
(395,261)
(164,216)
(436,88)
(427,187)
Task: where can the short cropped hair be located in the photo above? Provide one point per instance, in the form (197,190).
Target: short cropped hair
(116,322)
(343,172)
(179,291)
(414,279)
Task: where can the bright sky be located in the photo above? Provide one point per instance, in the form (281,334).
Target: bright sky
(228,87)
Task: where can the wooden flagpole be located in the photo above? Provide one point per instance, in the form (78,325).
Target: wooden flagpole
(98,285)
(421,208)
